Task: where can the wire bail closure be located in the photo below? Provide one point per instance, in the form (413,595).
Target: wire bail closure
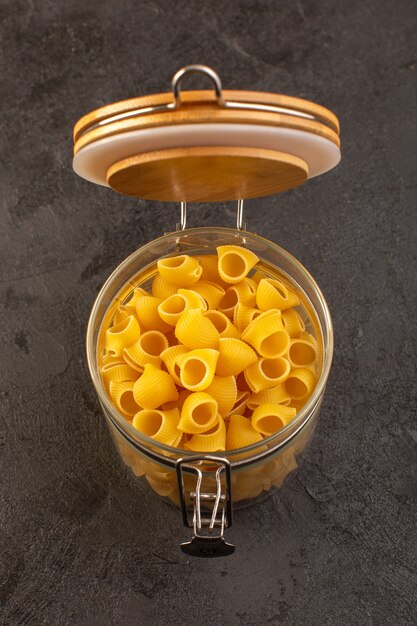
(240,224)
(205,541)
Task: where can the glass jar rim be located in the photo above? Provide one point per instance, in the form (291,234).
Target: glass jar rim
(281,437)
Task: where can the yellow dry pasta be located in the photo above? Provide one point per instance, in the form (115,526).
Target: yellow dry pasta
(196,331)
(182,270)
(239,406)
(148,316)
(161,426)
(235,263)
(214,440)
(210,272)
(235,356)
(300,383)
(122,395)
(131,303)
(122,335)
(171,309)
(197,368)
(292,322)
(170,357)
(154,387)
(308,337)
(243,315)
(257,276)
(199,413)
(161,289)
(164,485)
(108,359)
(302,353)
(211,292)
(241,433)
(147,349)
(267,419)
(273,294)
(240,293)
(222,323)
(267,335)
(122,313)
(223,389)
(267,373)
(215,340)
(118,373)
(274,395)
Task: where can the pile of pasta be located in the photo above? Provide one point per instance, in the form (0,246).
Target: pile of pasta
(215,358)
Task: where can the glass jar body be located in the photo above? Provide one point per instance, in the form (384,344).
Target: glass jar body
(255,469)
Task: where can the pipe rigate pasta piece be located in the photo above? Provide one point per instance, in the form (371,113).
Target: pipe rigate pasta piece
(300,383)
(214,440)
(199,413)
(240,405)
(131,303)
(164,485)
(148,316)
(267,373)
(272,293)
(243,315)
(308,337)
(211,292)
(196,331)
(267,419)
(154,388)
(122,335)
(122,395)
(235,263)
(210,271)
(292,322)
(257,276)
(170,358)
(182,270)
(241,433)
(194,299)
(171,309)
(118,373)
(267,335)
(275,395)
(222,323)
(197,368)
(122,313)
(235,356)
(302,353)
(147,349)
(161,289)
(161,426)
(240,293)
(223,389)
(108,359)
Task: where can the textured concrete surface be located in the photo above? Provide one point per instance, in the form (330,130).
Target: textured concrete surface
(80,542)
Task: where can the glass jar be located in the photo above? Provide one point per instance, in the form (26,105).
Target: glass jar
(207,486)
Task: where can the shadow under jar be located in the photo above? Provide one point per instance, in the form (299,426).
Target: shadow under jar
(206,486)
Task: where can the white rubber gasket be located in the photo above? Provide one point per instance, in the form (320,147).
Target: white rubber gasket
(93,161)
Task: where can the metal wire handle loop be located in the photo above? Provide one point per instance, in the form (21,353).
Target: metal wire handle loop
(240,224)
(199,69)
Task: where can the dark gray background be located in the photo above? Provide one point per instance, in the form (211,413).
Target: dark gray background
(80,542)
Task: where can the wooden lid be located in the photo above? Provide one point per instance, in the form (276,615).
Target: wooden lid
(200,173)
(171,146)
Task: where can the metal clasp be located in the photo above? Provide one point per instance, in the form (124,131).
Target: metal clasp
(208,539)
(240,223)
